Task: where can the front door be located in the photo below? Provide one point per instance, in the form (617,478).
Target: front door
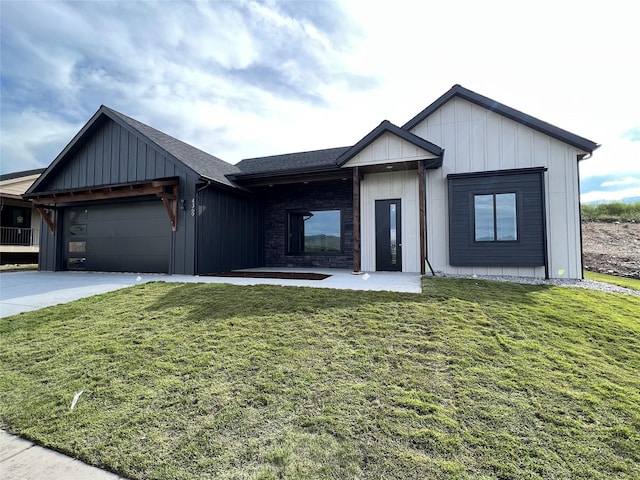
(388,236)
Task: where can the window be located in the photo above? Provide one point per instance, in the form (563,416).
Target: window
(315,232)
(495,217)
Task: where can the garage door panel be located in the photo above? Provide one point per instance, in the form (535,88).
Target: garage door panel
(126,246)
(131,237)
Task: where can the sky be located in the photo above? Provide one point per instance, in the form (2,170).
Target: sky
(241,79)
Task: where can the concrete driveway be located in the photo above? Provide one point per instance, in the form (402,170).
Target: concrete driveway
(26,291)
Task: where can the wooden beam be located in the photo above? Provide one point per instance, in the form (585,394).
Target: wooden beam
(170,211)
(157,188)
(357,263)
(170,202)
(102,194)
(51,222)
(421,200)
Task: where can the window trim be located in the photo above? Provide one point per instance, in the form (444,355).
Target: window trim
(493,193)
(294,211)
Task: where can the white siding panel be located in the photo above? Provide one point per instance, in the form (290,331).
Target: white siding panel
(389,148)
(524,143)
(476,140)
(448,113)
(508,158)
(386,186)
(493,138)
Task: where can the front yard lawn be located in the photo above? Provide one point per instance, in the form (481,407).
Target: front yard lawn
(627,282)
(471,379)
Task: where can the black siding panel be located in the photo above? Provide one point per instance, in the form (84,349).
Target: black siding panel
(230,236)
(48,256)
(528,250)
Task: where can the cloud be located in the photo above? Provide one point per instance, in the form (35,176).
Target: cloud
(197,70)
(596,196)
(632,134)
(622,181)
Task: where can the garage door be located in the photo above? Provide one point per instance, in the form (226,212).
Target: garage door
(128,237)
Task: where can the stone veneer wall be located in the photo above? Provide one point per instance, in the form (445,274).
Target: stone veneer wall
(313,196)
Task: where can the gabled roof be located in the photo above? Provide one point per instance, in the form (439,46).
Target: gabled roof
(203,164)
(511,113)
(25,173)
(384,127)
(291,162)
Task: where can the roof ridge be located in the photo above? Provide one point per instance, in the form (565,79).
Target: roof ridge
(511,113)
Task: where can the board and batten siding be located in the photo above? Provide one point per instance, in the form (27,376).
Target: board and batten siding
(389,148)
(475,140)
(401,185)
(114,155)
(230,232)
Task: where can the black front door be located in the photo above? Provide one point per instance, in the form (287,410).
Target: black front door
(388,236)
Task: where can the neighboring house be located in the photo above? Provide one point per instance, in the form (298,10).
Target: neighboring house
(19,221)
(467,186)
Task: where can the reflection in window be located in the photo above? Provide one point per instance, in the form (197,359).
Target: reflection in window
(78,230)
(77,247)
(76,263)
(316,231)
(506,225)
(392,233)
(495,217)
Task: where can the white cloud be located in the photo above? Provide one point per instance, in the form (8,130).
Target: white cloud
(623,181)
(610,195)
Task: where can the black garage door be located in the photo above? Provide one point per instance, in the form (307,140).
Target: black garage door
(128,237)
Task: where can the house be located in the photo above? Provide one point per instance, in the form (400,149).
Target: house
(467,186)
(19,221)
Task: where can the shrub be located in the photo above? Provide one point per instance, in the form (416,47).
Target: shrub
(609,212)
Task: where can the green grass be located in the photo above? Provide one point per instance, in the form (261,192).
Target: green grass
(613,211)
(18,267)
(627,282)
(471,379)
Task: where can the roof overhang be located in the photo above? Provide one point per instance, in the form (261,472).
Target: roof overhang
(422,149)
(565,136)
(312,174)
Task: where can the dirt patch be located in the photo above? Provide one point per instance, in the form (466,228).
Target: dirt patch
(282,275)
(612,248)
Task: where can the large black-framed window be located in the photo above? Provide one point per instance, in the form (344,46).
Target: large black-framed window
(497,218)
(316,232)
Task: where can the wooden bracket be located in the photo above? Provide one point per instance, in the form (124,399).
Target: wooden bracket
(170,202)
(51,222)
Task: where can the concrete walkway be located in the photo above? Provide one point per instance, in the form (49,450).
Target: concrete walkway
(21,460)
(26,291)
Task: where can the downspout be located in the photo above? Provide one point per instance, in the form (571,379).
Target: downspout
(196,257)
(585,157)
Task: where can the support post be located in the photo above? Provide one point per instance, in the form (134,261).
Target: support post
(422,200)
(356,220)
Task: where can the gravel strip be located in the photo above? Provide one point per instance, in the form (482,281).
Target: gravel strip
(558,282)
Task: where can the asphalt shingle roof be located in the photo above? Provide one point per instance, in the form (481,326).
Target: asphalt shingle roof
(291,161)
(202,163)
